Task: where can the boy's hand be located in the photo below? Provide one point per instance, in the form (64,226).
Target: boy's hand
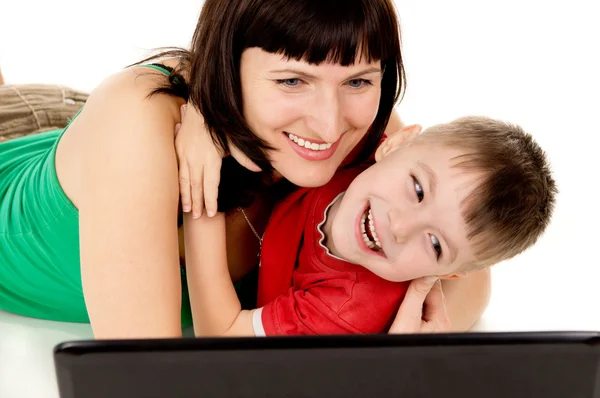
(200,164)
(423,309)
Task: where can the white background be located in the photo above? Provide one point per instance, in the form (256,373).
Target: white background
(532,62)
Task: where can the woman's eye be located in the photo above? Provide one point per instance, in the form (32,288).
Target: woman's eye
(289,82)
(436,246)
(418,189)
(358,83)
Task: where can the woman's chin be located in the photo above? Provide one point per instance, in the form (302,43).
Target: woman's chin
(304,177)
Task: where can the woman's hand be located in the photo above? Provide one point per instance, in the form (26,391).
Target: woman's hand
(423,309)
(200,163)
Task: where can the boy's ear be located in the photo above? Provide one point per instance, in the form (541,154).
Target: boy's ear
(456,275)
(396,140)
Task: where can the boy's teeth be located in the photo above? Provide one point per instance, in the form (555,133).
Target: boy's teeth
(362,225)
(370,244)
(372,229)
(309,145)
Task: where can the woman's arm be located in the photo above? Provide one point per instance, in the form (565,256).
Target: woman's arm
(128,209)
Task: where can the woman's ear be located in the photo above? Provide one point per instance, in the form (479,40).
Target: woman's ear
(397,139)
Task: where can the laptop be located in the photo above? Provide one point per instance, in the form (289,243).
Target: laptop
(472,365)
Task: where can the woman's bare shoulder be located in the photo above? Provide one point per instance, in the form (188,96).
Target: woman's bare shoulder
(130,92)
(123,112)
(122,122)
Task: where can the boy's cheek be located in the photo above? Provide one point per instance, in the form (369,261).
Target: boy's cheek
(385,183)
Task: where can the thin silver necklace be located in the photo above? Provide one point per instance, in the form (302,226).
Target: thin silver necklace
(260,239)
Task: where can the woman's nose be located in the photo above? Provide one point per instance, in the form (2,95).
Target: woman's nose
(327,120)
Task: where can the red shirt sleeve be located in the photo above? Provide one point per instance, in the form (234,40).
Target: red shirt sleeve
(348,303)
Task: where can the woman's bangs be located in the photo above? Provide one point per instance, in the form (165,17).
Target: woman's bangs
(336,31)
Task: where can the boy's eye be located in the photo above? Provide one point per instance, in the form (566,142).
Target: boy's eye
(358,83)
(418,189)
(289,82)
(436,246)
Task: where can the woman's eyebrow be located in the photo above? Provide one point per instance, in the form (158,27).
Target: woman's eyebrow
(294,71)
(364,72)
(309,76)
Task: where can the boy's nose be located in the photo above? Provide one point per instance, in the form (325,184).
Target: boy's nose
(403,226)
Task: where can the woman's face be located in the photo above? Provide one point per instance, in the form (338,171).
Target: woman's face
(312,115)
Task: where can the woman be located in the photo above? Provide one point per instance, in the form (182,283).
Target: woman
(90,215)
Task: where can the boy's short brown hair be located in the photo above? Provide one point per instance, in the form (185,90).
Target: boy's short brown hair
(514,199)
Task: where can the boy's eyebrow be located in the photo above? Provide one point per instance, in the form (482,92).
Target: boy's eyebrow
(432,186)
(431,178)
(451,246)
(309,76)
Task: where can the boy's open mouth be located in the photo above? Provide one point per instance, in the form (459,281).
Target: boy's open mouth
(368,231)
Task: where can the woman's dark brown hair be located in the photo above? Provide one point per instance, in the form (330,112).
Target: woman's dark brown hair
(314,31)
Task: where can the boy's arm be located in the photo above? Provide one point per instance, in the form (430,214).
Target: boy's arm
(330,304)
(322,307)
(216,309)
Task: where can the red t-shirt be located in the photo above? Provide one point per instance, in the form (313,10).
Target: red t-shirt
(302,289)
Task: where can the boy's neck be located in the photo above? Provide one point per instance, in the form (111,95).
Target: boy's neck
(327,227)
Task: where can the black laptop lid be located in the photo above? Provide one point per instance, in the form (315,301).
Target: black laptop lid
(548,365)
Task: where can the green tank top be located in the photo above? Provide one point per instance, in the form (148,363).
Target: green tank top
(39,234)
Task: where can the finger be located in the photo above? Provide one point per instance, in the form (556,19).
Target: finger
(212,177)
(409,316)
(243,159)
(435,314)
(196,186)
(417,293)
(184,187)
(410,313)
(434,305)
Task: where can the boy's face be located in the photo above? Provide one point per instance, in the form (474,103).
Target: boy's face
(411,200)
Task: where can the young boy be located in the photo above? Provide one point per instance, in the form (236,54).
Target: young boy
(459,197)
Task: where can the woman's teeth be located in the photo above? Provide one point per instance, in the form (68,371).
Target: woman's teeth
(309,145)
(373,240)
